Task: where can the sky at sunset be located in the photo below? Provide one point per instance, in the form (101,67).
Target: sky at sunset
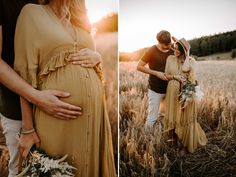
(140,20)
(100,8)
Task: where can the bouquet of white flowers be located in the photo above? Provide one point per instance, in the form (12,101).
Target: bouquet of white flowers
(190,92)
(39,164)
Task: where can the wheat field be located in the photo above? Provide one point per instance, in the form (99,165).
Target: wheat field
(107,45)
(144,154)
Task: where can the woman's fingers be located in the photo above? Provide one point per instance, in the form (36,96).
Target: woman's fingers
(80,62)
(79,57)
(26,142)
(86,58)
(87,65)
(25,152)
(82,52)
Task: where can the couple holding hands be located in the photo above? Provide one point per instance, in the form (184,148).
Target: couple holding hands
(170,68)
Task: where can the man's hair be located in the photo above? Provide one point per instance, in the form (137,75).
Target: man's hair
(164,37)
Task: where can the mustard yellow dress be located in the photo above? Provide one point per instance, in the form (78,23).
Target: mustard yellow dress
(182,121)
(42,50)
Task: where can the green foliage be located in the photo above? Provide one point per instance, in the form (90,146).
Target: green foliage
(207,45)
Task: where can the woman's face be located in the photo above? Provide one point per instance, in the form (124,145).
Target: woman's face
(177,52)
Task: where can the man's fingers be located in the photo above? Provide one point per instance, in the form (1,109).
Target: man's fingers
(60,117)
(61,94)
(69,106)
(65,116)
(164,78)
(70,112)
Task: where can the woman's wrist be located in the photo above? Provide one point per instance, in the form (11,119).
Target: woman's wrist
(27,131)
(99,58)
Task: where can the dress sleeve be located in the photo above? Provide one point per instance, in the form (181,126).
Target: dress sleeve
(26,52)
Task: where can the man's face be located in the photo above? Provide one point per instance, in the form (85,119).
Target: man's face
(165,47)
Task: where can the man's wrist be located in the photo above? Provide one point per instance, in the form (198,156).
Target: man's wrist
(34,96)
(174,77)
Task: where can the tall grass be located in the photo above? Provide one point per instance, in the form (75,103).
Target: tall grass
(107,45)
(145,153)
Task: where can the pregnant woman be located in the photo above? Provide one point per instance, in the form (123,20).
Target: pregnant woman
(47,37)
(179,121)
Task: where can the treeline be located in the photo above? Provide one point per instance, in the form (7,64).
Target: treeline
(132,56)
(108,23)
(203,46)
(206,45)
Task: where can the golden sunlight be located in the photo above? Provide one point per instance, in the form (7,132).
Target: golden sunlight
(98,9)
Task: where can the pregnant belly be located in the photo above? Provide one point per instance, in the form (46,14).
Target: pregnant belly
(83,84)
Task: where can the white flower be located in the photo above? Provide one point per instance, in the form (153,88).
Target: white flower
(198,94)
(40,163)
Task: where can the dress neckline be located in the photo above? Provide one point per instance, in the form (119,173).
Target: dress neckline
(50,12)
(179,66)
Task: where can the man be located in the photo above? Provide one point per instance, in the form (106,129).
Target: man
(47,100)
(156,57)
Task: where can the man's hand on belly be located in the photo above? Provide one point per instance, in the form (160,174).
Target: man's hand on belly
(49,101)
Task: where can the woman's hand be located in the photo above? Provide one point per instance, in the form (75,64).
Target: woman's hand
(26,141)
(179,78)
(174,39)
(86,58)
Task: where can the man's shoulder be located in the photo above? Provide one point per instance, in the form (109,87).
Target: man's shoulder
(150,48)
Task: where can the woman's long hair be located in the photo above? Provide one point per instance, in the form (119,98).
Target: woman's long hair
(181,50)
(76,12)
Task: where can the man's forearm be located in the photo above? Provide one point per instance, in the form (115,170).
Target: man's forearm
(146,70)
(14,82)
